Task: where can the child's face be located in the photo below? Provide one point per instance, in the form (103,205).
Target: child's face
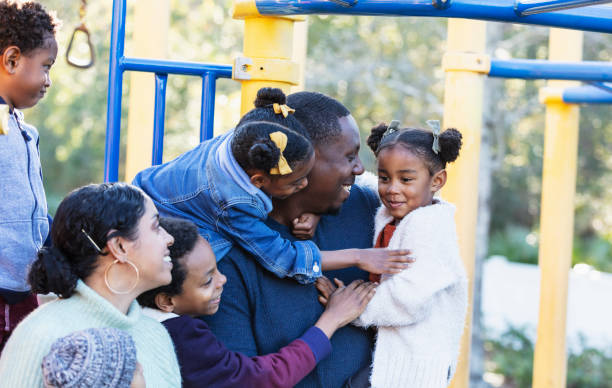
(203,283)
(282,186)
(404,182)
(32,75)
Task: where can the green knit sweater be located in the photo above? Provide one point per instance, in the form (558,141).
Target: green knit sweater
(20,364)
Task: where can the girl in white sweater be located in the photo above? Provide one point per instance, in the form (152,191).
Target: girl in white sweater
(420,312)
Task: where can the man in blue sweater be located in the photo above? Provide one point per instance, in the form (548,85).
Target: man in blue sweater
(260,312)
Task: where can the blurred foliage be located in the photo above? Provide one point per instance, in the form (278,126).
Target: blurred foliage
(382,68)
(511,355)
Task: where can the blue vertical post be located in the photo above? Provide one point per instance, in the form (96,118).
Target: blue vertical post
(115,83)
(161,81)
(207,109)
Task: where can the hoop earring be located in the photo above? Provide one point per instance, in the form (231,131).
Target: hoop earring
(108,284)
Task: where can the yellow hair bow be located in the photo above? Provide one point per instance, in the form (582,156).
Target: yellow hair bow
(282,168)
(284,109)
(4,118)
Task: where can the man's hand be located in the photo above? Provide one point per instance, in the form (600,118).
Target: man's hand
(345,304)
(304,226)
(326,288)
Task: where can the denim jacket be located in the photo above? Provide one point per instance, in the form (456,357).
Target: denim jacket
(23,206)
(225,209)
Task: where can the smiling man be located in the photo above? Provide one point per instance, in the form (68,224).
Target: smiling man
(259,312)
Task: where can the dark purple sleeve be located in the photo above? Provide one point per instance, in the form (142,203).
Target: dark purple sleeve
(205,361)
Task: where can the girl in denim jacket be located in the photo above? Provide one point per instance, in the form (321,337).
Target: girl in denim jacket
(226,185)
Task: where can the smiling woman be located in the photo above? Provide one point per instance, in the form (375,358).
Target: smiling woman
(108,248)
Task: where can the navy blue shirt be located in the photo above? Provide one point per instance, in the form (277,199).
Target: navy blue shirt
(260,313)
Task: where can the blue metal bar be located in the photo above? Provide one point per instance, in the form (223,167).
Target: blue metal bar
(602,86)
(115,78)
(175,67)
(587,95)
(161,81)
(594,18)
(207,109)
(541,69)
(532,7)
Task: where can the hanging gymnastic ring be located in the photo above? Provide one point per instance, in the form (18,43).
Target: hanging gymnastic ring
(81,65)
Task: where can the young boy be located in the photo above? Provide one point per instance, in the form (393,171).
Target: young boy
(196,289)
(27,52)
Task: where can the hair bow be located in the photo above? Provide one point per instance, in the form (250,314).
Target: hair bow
(392,128)
(4,119)
(435,129)
(284,109)
(282,168)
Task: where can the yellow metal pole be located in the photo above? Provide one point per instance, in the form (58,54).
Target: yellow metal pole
(557,216)
(465,65)
(151,23)
(300,48)
(268,53)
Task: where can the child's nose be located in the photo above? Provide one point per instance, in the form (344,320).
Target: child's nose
(47,80)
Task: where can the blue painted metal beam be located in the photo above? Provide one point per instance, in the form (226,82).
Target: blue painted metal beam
(161,81)
(532,7)
(207,108)
(115,84)
(174,67)
(594,18)
(540,69)
(587,95)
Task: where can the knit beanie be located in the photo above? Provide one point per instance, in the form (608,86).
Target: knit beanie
(102,357)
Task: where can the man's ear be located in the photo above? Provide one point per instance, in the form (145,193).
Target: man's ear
(10,59)
(116,246)
(438,181)
(259,179)
(164,302)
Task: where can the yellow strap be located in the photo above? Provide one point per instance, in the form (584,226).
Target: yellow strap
(280,139)
(4,119)
(284,109)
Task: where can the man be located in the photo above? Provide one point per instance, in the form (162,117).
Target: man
(259,312)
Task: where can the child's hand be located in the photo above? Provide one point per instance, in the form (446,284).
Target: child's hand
(345,304)
(325,288)
(384,261)
(305,225)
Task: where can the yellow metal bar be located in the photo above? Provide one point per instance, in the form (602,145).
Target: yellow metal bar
(463,97)
(151,23)
(300,48)
(266,40)
(557,219)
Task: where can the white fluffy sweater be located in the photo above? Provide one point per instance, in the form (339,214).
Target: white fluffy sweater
(420,312)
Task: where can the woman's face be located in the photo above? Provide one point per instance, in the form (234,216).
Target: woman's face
(149,249)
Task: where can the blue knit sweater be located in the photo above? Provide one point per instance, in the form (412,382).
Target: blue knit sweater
(261,313)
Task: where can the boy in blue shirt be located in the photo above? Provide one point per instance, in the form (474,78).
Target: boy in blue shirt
(27,51)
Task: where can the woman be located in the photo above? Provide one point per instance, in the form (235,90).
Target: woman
(108,248)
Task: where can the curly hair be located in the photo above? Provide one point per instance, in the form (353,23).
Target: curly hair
(420,142)
(253,148)
(186,236)
(81,229)
(27,26)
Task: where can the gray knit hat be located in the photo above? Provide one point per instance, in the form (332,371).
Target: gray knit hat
(104,358)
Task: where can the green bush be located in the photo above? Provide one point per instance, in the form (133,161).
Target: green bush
(511,355)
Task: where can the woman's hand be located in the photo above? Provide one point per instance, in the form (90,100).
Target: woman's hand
(384,261)
(304,226)
(345,304)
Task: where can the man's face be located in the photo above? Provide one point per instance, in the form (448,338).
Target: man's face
(336,165)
